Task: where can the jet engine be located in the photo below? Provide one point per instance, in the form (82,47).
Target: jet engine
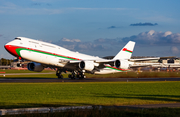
(121,64)
(37,67)
(86,65)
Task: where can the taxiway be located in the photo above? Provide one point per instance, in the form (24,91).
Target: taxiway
(38,80)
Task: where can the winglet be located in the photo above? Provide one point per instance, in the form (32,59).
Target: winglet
(126,52)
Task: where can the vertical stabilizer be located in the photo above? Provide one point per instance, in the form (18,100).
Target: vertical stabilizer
(126,52)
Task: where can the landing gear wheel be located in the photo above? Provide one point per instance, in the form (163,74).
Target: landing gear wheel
(71,76)
(77,76)
(81,75)
(60,76)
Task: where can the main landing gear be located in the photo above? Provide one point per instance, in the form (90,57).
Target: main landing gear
(58,74)
(78,74)
(74,75)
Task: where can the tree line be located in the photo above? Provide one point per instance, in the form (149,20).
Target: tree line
(4,61)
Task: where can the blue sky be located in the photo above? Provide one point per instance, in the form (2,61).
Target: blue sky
(94,27)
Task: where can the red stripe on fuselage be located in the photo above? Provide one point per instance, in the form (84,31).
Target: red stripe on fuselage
(12,49)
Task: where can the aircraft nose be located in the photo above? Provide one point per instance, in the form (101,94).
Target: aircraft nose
(7,47)
(11,49)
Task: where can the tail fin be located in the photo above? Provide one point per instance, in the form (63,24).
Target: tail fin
(126,52)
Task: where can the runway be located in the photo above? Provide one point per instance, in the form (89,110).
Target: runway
(39,80)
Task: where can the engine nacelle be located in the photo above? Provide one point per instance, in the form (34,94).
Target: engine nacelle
(121,64)
(86,65)
(37,67)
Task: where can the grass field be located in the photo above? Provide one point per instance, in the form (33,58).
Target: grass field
(19,95)
(17,74)
(32,76)
(22,71)
(14,95)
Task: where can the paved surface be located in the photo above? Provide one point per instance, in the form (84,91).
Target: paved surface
(76,80)
(169,105)
(34,80)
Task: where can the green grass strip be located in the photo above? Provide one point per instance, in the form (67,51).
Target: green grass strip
(15,95)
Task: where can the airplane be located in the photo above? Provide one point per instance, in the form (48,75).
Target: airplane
(43,54)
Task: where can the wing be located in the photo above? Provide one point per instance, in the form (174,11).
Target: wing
(144,59)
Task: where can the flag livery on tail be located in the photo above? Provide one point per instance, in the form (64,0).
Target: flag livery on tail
(126,52)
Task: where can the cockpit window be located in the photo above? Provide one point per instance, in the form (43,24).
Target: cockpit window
(17,39)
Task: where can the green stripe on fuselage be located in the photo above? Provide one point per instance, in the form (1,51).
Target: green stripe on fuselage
(19,49)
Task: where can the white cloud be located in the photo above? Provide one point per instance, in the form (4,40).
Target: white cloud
(29,11)
(71,40)
(155,38)
(37,11)
(78,45)
(45,1)
(158,39)
(175,50)
(119,9)
(167,33)
(151,32)
(175,38)
(11,8)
